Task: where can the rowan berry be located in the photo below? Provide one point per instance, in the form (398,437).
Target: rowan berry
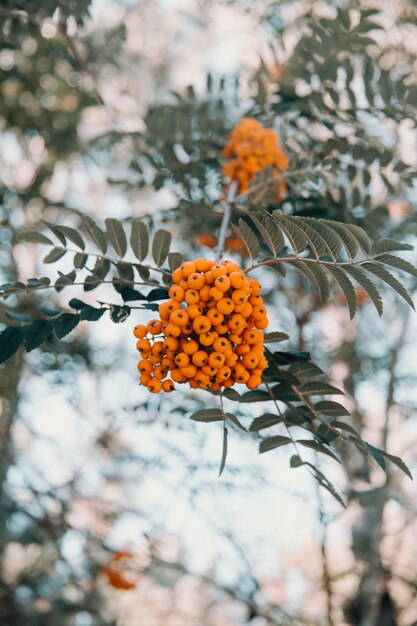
(189,371)
(179,318)
(145,366)
(236,279)
(190,347)
(216,359)
(195,281)
(144,379)
(250,360)
(177,293)
(200,358)
(140,331)
(225,306)
(201,324)
(168,386)
(143,345)
(172,331)
(188,268)
(182,360)
(177,276)
(154,327)
(206,339)
(218,270)
(154,385)
(192,296)
(222,283)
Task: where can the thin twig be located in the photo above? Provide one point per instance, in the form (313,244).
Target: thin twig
(227,214)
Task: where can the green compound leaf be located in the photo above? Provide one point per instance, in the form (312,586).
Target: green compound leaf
(117,236)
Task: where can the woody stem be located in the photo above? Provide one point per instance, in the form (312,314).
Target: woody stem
(226,218)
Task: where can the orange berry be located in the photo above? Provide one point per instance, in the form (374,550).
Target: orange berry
(194,310)
(225,306)
(190,347)
(195,281)
(172,331)
(262,324)
(201,265)
(218,270)
(208,278)
(220,344)
(242,349)
(250,360)
(189,371)
(160,372)
(232,267)
(188,329)
(240,374)
(144,379)
(223,373)
(258,313)
(255,287)
(236,279)
(177,293)
(172,305)
(229,382)
(167,363)
(216,294)
(221,329)
(140,331)
(232,360)
(171,344)
(177,376)
(188,268)
(177,275)
(201,324)
(222,283)
(237,323)
(253,381)
(158,348)
(202,379)
(246,311)
(179,318)
(168,386)
(143,345)
(215,316)
(205,293)
(239,296)
(192,296)
(163,311)
(184,284)
(154,359)
(200,358)
(206,339)
(255,300)
(145,366)
(154,327)
(246,285)
(216,359)
(182,360)
(251,336)
(154,386)
(235,338)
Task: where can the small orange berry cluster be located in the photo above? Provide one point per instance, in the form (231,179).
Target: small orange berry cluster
(209,334)
(250,150)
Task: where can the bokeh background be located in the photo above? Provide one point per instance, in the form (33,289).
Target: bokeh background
(111,509)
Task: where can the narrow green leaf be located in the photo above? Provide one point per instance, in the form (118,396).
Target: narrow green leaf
(398,462)
(71,234)
(160,246)
(317,274)
(58,234)
(249,238)
(305,369)
(318,388)
(389,245)
(361,237)
(139,239)
(377,454)
(95,232)
(232,418)
(207,415)
(264,421)
(273,442)
(10,340)
(347,288)
(318,447)
(174,260)
(294,233)
(398,263)
(329,407)
(296,461)
(269,231)
(224,451)
(116,235)
(350,242)
(275,337)
(33,236)
(54,255)
(36,333)
(388,278)
(80,260)
(359,275)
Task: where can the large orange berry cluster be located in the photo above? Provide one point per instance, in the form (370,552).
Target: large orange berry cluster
(250,150)
(209,334)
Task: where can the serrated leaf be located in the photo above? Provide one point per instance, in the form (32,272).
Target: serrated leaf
(377,454)
(32,236)
(346,427)
(116,235)
(318,447)
(119,314)
(398,462)
(329,235)
(10,340)
(275,337)
(160,246)
(350,242)
(388,278)
(347,288)
(65,323)
(389,245)
(224,451)
(54,255)
(317,275)
(95,232)
(139,239)
(361,237)
(398,263)
(36,333)
(295,235)
(273,442)
(361,278)
(318,388)
(91,313)
(329,407)
(264,421)
(269,231)
(71,234)
(207,415)
(249,238)
(305,369)
(174,260)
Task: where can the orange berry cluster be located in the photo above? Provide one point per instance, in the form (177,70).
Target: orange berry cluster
(209,334)
(251,149)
